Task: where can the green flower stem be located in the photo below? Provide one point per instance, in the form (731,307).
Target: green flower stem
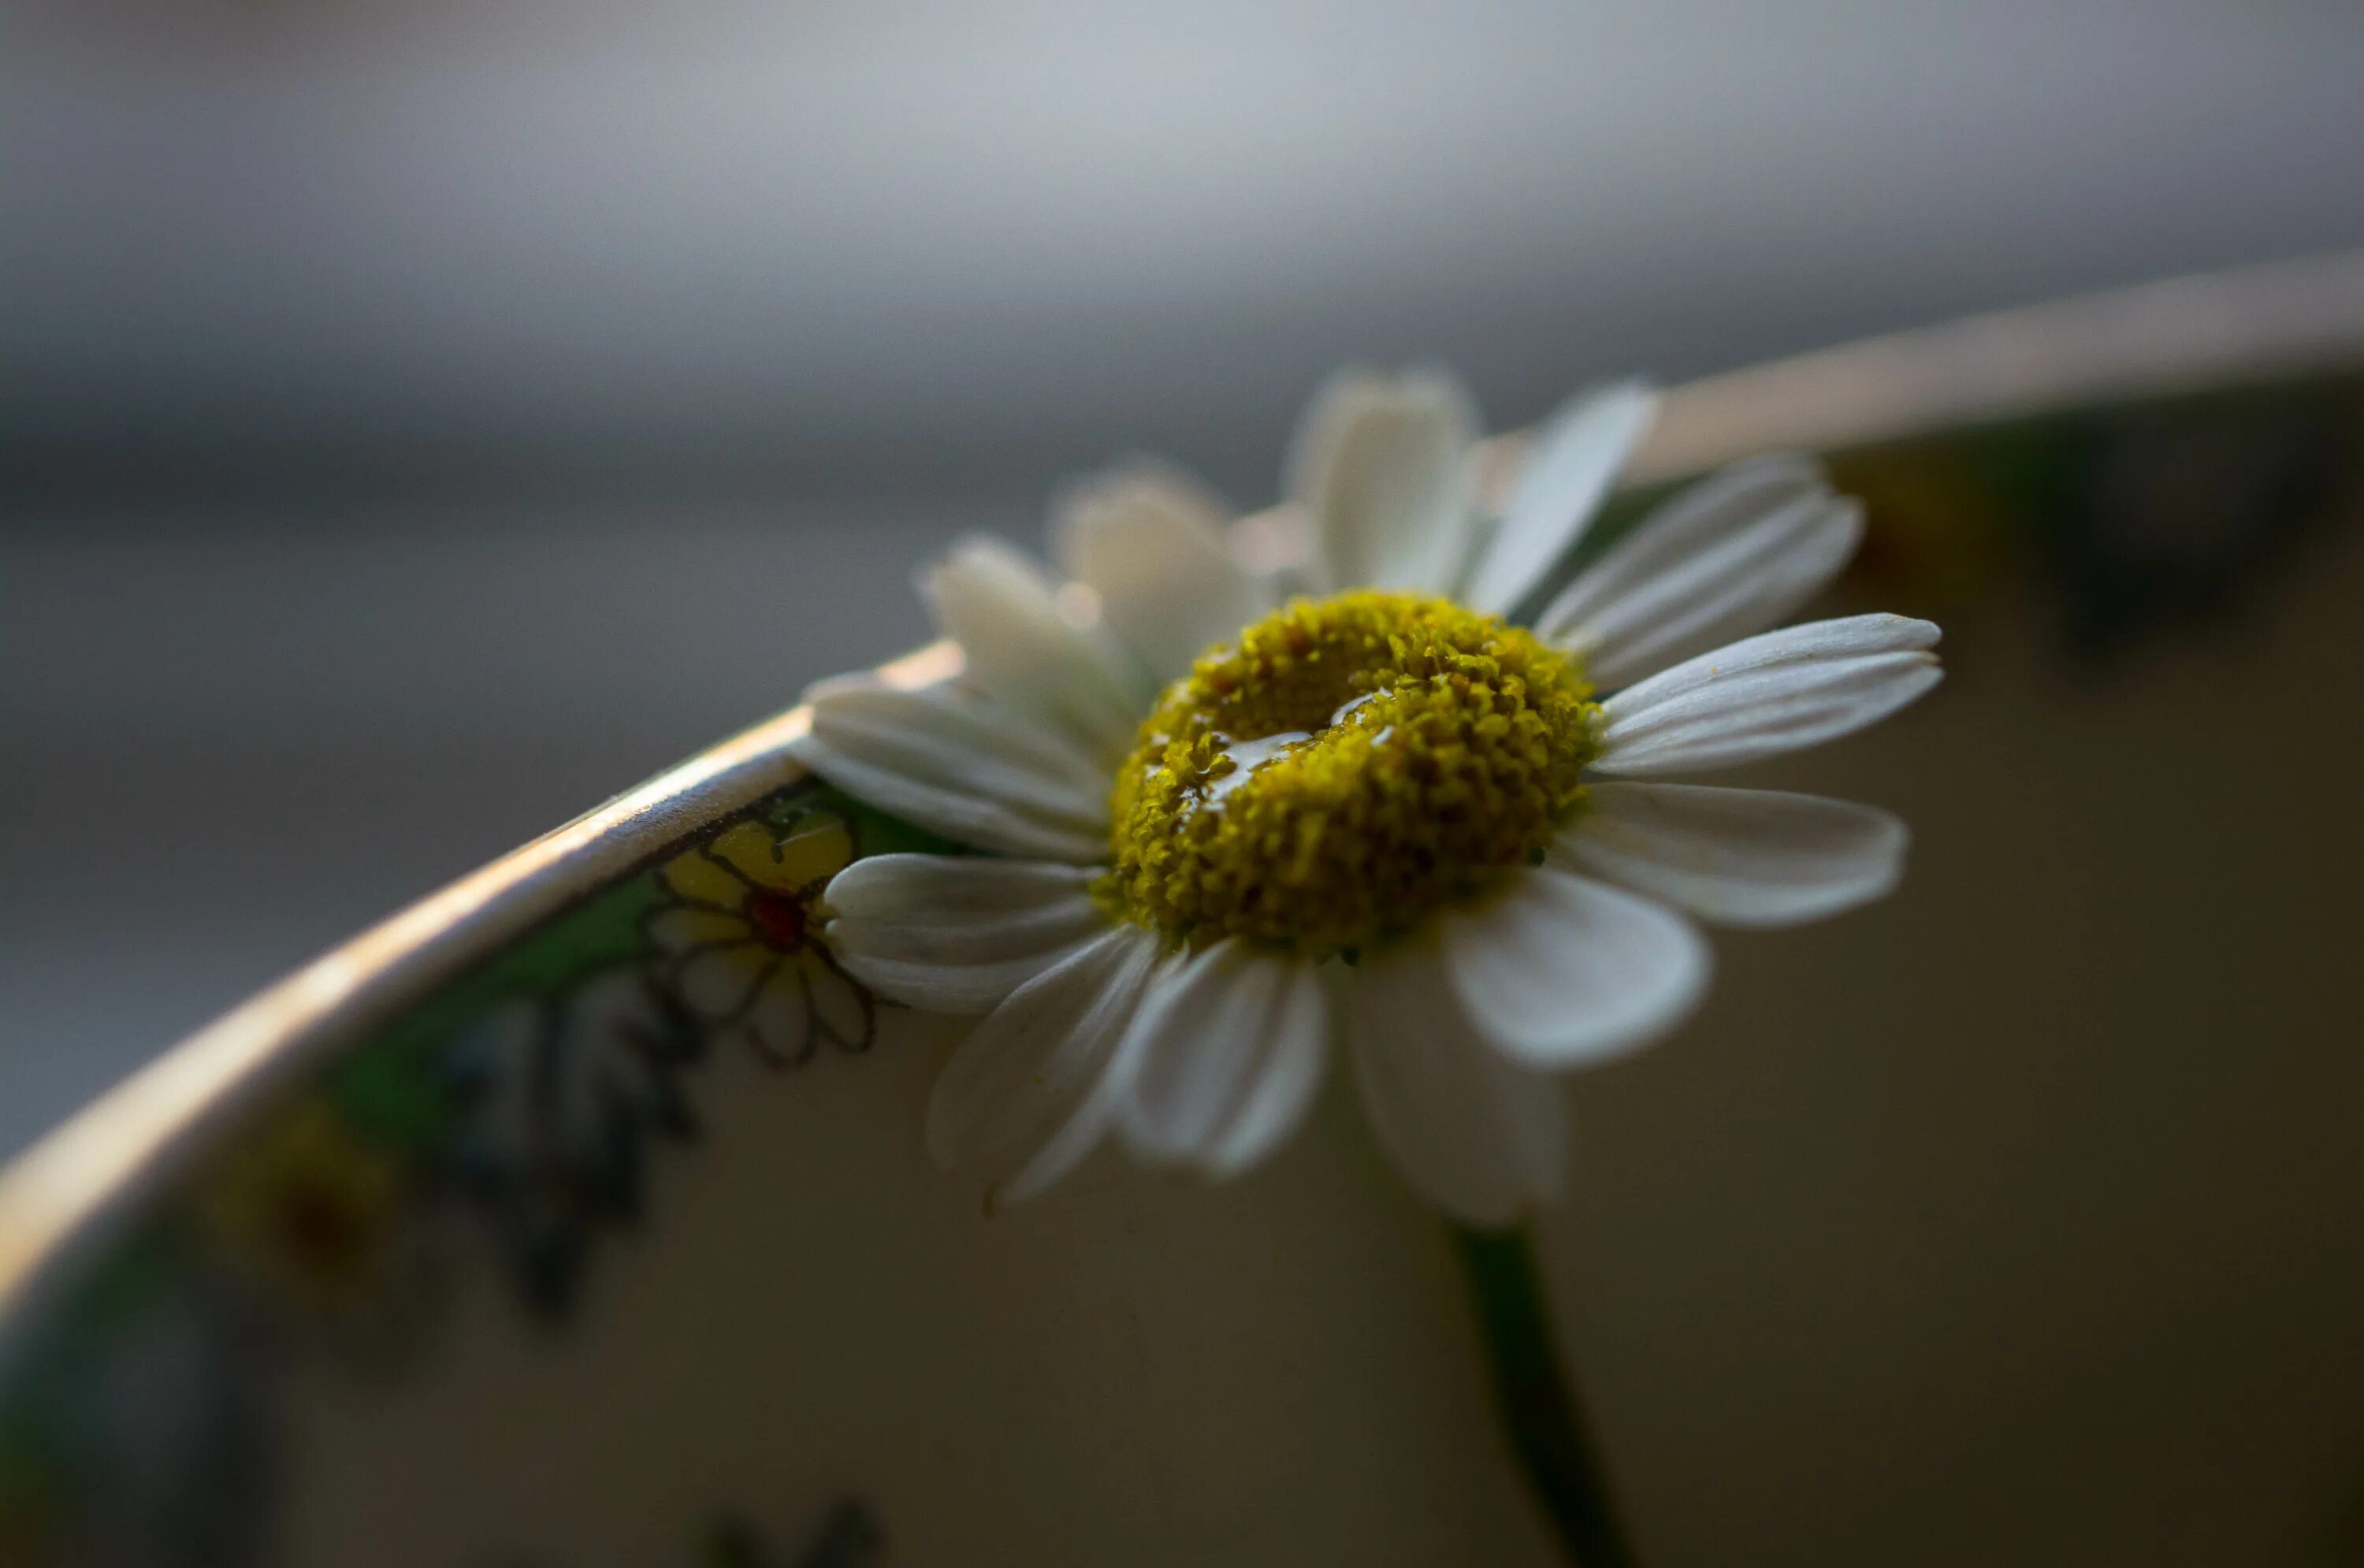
(1539,1404)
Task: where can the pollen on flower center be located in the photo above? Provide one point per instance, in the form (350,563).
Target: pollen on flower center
(1344,768)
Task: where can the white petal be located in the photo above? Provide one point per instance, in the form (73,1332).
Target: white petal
(1559,970)
(719,982)
(1227,1050)
(1799,686)
(1383,464)
(957,934)
(845,1017)
(1747,857)
(1036,1083)
(1479,1135)
(781,1020)
(955,763)
(1029,652)
(1728,557)
(1571,462)
(1151,544)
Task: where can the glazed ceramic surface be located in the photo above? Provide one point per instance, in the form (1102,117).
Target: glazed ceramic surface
(579,1215)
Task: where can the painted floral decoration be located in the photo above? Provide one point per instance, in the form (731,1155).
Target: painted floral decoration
(311,1208)
(562,1095)
(740,944)
(1235,817)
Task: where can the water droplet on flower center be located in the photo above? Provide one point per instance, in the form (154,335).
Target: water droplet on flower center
(1341,769)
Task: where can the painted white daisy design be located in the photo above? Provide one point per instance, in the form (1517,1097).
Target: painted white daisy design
(1232,821)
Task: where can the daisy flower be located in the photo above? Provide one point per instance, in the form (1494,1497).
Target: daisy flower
(1232,822)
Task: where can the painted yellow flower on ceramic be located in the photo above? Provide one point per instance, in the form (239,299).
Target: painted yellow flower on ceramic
(310,1206)
(1239,820)
(742,944)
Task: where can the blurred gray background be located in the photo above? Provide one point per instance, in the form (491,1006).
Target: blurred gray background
(423,419)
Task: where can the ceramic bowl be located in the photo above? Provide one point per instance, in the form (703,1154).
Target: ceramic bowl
(578,1214)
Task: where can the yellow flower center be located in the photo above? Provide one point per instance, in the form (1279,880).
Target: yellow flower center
(1344,768)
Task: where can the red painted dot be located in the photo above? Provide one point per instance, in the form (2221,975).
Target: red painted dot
(327,1235)
(778,919)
